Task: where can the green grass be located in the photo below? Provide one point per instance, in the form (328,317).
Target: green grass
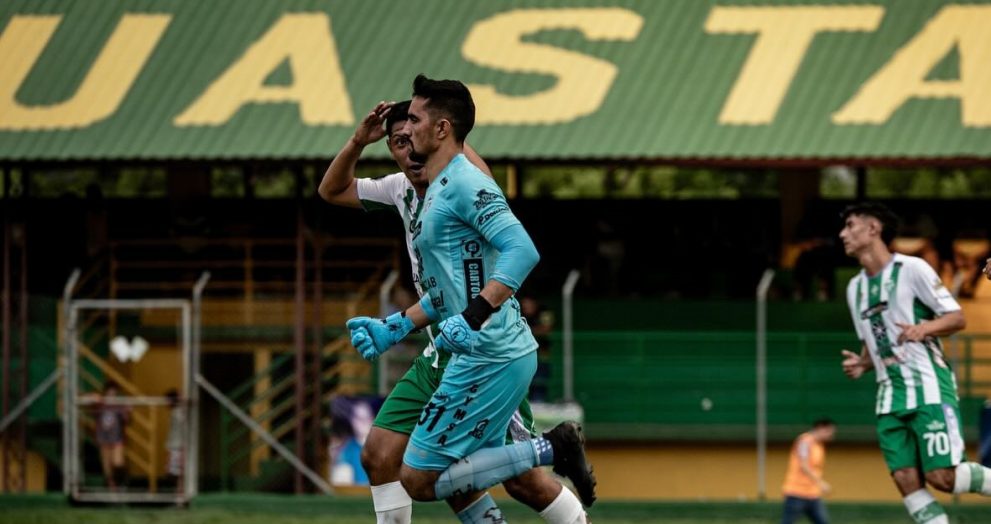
(273,509)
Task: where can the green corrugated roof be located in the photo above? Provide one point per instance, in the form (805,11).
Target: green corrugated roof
(550,62)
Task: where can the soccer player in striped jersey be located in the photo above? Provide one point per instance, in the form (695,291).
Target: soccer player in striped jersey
(900,308)
(474,254)
(402,193)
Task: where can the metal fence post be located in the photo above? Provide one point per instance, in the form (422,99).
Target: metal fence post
(762,288)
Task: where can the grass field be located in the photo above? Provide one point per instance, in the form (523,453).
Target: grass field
(273,509)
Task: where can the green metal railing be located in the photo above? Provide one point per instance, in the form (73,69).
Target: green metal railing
(237,443)
(703,384)
(679,385)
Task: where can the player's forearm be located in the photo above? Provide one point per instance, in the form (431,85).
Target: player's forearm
(517,257)
(340,174)
(496,293)
(947,324)
(418,315)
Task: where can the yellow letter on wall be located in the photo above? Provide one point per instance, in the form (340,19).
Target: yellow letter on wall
(101,91)
(784,35)
(968,28)
(318,82)
(582,81)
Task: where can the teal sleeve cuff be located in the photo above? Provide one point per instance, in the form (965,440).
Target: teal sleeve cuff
(428,308)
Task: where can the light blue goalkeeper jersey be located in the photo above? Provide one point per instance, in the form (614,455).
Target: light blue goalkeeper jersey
(462,210)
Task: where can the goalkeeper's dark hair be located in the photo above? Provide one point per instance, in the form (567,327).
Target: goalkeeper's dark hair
(823,422)
(398,113)
(888,219)
(451,100)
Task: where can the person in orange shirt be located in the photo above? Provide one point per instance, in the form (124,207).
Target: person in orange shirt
(804,486)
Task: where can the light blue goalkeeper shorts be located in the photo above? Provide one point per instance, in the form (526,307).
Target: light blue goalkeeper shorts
(470,410)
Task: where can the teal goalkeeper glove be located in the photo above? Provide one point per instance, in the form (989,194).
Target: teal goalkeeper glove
(374,336)
(456,336)
(459,334)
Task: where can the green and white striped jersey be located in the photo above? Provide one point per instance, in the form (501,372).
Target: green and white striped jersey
(395,193)
(906,291)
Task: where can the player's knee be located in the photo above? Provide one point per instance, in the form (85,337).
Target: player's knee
(418,484)
(533,488)
(372,458)
(382,456)
(516,488)
(907,480)
(941,479)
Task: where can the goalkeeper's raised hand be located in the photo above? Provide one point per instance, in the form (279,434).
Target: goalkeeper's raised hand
(374,336)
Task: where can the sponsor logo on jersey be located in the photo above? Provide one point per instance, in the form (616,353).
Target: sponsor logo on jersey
(935,426)
(875,310)
(471,248)
(471,254)
(487,216)
(474,274)
(438,301)
(419,263)
(415,228)
(479,431)
(484,198)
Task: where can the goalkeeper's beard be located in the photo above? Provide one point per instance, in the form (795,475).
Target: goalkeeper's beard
(419,158)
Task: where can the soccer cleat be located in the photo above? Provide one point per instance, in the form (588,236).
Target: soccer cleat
(568,444)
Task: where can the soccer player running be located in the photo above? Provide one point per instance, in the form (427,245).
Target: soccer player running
(382,453)
(900,308)
(804,484)
(473,254)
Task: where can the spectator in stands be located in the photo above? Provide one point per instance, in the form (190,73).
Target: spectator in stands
(967,255)
(814,270)
(174,442)
(607,263)
(541,323)
(111,422)
(97,230)
(804,485)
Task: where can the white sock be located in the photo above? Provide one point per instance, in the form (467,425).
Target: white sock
(972,477)
(392,504)
(924,509)
(565,509)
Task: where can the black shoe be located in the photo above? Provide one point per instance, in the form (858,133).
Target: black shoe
(568,444)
